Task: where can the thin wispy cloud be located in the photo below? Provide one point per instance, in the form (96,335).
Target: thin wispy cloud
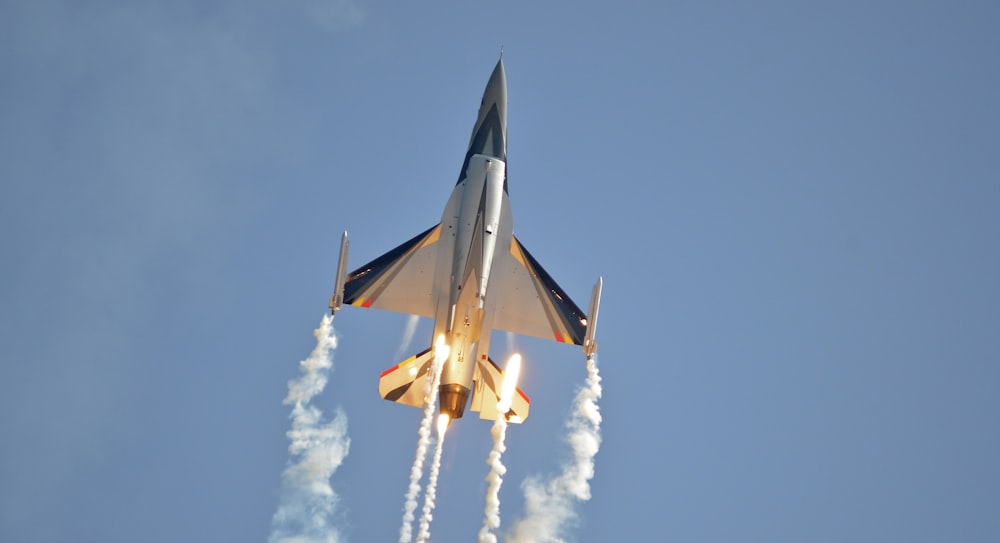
(335,15)
(407,340)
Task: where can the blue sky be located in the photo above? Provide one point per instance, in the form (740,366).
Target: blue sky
(793,206)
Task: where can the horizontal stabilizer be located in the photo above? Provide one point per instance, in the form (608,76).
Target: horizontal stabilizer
(405,382)
(488,379)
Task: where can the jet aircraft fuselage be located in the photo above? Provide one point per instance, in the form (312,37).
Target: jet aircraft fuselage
(471,275)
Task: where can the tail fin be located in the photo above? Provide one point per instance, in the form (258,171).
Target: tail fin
(405,382)
(488,378)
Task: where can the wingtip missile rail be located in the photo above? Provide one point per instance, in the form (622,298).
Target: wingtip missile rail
(337,299)
(589,344)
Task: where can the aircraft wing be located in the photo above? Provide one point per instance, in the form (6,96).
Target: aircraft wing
(529,301)
(401,280)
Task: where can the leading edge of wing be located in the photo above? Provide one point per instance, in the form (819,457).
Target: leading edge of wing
(401,280)
(533,304)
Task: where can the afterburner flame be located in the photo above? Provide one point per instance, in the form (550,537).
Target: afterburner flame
(442,424)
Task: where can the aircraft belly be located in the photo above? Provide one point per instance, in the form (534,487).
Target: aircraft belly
(470,274)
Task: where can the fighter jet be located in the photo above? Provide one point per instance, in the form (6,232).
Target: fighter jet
(471,275)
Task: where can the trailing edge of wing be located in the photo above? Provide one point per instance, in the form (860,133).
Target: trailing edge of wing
(401,280)
(531,303)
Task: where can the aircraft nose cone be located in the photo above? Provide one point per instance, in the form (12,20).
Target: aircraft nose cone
(496,90)
(489,135)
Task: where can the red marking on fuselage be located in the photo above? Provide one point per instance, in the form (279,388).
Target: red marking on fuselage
(368,302)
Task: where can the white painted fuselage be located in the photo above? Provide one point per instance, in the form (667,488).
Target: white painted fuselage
(476,223)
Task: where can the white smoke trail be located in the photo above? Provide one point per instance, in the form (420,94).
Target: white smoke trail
(497,469)
(549,506)
(431,495)
(495,479)
(316,450)
(408,332)
(417,470)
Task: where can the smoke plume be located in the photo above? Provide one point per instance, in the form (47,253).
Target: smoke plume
(424,433)
(404,345)
(550,505)
(431,495)
(316,450)
(499,431)
(495,479)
